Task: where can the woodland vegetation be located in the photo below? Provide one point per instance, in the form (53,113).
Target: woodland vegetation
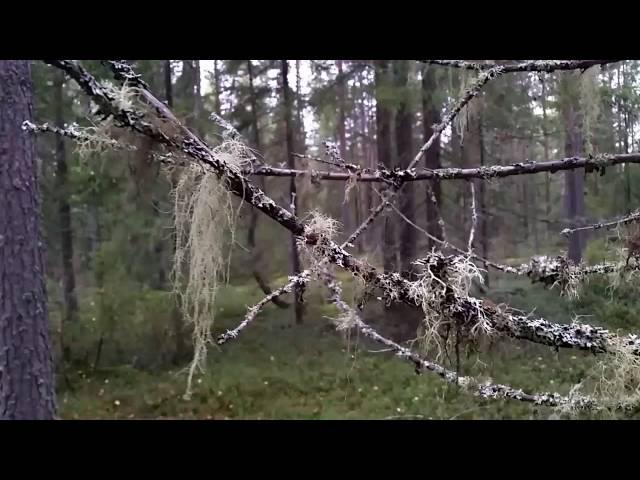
(313,239)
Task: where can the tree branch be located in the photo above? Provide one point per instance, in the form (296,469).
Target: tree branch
(634,217)
(530,66)
(394,287)
(590,164)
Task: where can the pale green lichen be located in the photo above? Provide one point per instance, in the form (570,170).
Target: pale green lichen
(204,219)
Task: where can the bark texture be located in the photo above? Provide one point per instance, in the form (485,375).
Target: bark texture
(26,360)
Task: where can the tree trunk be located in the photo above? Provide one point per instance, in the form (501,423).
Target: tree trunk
(457,161)
(482,203)
(254,214)
(545,140)
(625,142)
(197,103)
(26,360)
(431,117)
(302,141)
(404,143)
(524,182)
(189,87)
(295,258)
(64,217)
(574,179)
(383,126)
(216,88)
(342,143)
(365,190)
(168,87)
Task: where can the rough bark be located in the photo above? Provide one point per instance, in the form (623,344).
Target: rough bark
(295,257)
(26,360)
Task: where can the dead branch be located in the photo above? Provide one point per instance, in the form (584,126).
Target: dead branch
(76,133)
(547,66)
(252,313)
(634,217)
(591,164)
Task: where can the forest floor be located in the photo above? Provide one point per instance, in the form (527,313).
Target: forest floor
(276,370)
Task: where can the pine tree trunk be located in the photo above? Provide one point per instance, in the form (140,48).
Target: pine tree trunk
(295,257)
(168,87)
(64,217)
(574,179)
(216,87)
(404,143)
(347,222)
(431,117)
(197,103)
(254,214)
(302,142)
(383,126)
(625,142)
(26,360)
(482,203)
(545,144)
(364,192)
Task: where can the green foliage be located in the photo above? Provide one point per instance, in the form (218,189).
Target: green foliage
(277,371)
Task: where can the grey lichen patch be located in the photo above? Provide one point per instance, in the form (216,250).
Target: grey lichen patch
(556,271)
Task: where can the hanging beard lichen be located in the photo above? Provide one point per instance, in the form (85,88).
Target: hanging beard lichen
(443,282)
(204,220)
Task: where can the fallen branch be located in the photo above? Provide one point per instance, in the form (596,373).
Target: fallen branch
(252,313)
(590,164)
(547,66)
(79,134)
(634,217)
